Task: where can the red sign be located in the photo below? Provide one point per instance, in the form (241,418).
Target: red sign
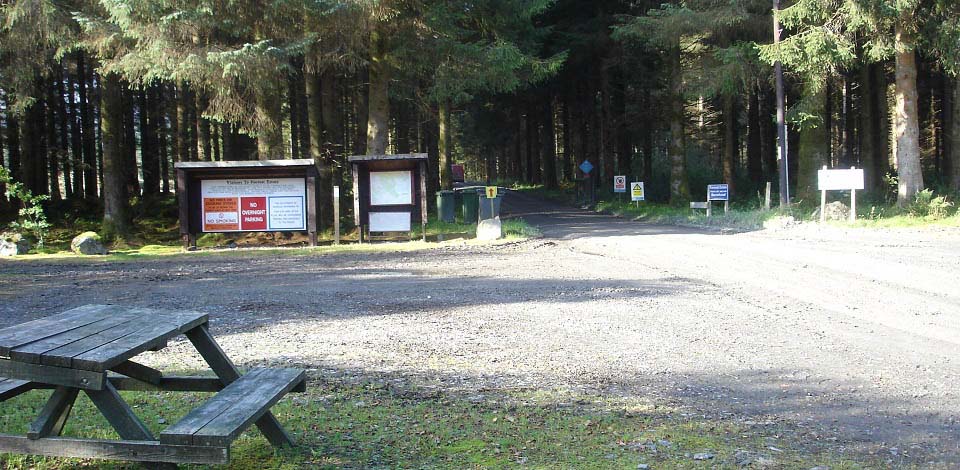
(457,172)
(253,213)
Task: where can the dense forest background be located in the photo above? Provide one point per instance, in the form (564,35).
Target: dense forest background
(99,99)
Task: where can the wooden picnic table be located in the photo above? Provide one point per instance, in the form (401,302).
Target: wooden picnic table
(90,349)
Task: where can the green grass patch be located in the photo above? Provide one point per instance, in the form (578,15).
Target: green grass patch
(373,425)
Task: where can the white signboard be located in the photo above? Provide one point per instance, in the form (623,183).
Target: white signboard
(619,184)
(389,188)
(839,180)
(389,221)
(254,205)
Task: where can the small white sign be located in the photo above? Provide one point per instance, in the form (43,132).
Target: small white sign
(619,184)
(840,180)
(389,221)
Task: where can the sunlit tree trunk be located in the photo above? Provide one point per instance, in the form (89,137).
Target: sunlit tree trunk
(443,147)
(378,116)
(906,120)
(729,141)
(955,136)
(549,144)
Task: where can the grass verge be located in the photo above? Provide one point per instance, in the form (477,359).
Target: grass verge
(373,425)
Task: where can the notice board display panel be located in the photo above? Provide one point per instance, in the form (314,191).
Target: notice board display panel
(390,221)
(389,188)
(253,205)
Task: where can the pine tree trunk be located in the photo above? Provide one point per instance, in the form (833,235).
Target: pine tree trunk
(548,140)
(443,145)
(907,125)
(149,161)
(314,91)
(226,136)
(333,148)
(76,140)
(183,124)
(53,147)
(869,128)
(129,148)
(646,138)
(215,142)
(14,157)
(115,217)
(378,117)
(361,110)
(768,133)
(884,152)
(679,189)
(204,150)
(754,153)
(87,129)
(294,87)
(955,136)
(729,141)
(567,171)
(162,133)
(30,143)
(814,147)
(849,123)
(64,135)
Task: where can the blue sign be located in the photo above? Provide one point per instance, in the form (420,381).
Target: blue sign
(586,167)
(718,192)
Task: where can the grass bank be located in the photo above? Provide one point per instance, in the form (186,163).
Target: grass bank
(375,425)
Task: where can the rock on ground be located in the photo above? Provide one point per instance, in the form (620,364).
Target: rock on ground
(88,243)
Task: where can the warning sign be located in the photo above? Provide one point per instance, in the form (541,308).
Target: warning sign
(253,205)
(636,191)
(619,184)
(491,192)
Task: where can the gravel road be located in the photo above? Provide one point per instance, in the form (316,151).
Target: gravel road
(849,336)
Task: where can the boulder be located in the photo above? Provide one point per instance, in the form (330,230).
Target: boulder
(88,243)
(835,210)
(489,229)
(13,245)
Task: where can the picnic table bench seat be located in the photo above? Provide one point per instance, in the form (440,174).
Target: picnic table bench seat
(10,388)
(222,418)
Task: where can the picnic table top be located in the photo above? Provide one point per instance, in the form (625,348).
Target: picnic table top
(94,337)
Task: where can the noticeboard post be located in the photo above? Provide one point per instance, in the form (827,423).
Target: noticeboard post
(839,180)
(247,196)
(718,192)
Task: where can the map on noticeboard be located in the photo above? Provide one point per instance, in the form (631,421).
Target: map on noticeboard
(391,188)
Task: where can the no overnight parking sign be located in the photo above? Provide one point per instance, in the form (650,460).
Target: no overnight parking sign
(254,205)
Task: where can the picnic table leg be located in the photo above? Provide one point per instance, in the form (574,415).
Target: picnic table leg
(228,372)
(54,414)
(121,417)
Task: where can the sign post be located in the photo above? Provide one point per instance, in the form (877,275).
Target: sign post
(718,192)
(839,180)
(637,193)
(586,167)
(336,215)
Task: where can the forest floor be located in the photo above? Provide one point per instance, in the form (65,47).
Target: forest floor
(606,343)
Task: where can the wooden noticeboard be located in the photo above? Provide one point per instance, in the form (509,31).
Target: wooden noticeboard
(247,196)
(389,192)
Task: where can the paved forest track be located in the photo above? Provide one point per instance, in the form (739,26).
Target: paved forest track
(845,334)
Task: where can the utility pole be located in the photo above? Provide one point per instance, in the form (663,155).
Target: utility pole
(782,161)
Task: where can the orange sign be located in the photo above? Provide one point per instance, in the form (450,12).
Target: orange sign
(491,192)
(221,214)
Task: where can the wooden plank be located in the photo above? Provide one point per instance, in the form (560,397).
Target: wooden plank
(162,326)
(119,414)
(268,388)
(29,332)
(54,414)
(182,432)
(10,388)
(169,384)
(138,371)
(63,356)
(224,368)
(139,451)
(32,352)
(87,380)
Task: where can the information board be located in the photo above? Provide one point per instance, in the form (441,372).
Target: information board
(718,192)
(389,221)
(840,180)
(253,205)
(388,188)
(636,191)
(619,184)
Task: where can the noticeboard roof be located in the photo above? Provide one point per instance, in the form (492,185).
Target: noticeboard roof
(378,158)
(247,164)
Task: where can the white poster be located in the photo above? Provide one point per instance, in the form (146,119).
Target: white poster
(389,221)
(839,180)
(254,205)
(389,188)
